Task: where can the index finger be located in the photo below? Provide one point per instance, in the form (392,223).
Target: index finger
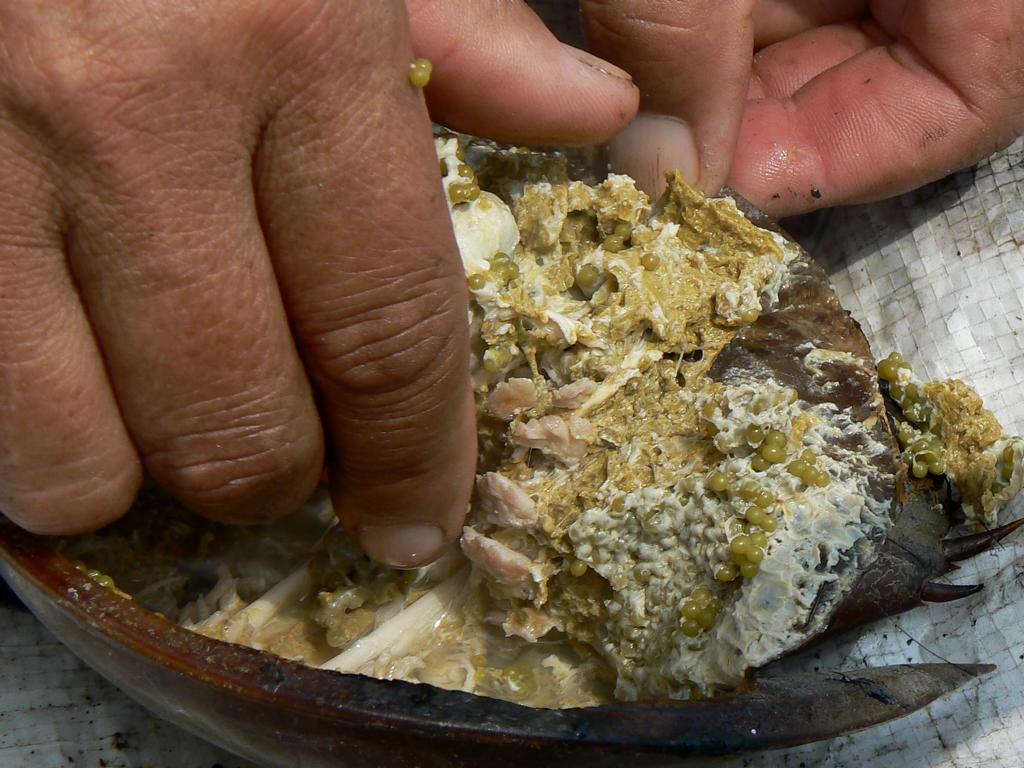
(351,204)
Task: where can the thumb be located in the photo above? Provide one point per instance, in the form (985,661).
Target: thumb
(691,60)
(499,72)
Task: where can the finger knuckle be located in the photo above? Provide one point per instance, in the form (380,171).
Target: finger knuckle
(247,465)
(68,498)
(407,338)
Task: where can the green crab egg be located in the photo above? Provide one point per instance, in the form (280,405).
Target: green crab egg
(702,596)
(749,570)
(749,490)
(726,572)
(700,611)
(889,368)
(614,243)
(520,680)
(775,439)
(419,72)
(589,279)
(706,618)
(505,271)
(772,454)
(750,316)
(691,628)
(650,261)
(739,545)
(1006,472)
(718,482)
(755,434)
(476,281)
(799,468)
(463,191)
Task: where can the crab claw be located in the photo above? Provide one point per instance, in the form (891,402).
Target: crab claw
(974,544)
(934,592)
(913,556)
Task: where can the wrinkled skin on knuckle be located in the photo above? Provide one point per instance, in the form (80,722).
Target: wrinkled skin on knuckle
(64,75)
(409,338)
(245,462)
(72,498)
(100,86)
(248,486)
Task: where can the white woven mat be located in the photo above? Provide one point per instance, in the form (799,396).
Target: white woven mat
(939,275)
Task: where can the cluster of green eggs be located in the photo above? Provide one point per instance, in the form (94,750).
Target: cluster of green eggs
(747,548)
(912,400)
(590,277)
(772,448)
(503,270)
(758,520)
(806,468)
(467,188)
(700,611)
(100,578)
(619,238)
(923,450)
(920,434)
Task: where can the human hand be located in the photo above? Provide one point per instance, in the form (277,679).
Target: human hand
(843,101)
(216,216)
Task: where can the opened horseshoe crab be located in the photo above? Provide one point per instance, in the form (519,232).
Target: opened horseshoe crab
(690,466)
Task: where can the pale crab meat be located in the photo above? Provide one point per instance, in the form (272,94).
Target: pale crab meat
(575,394)
(501,563)
(564,437)
(504,503)
(512,396)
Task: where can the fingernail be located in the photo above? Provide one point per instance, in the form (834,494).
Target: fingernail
(605,68)
(402,546)
(651,146)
